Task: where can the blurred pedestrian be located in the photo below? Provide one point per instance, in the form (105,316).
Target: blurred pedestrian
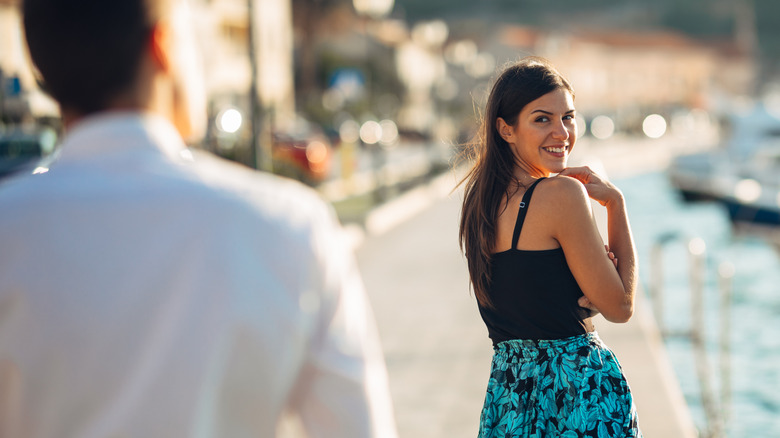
(538,266)
(147,290)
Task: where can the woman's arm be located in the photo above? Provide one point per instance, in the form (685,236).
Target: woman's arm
(610,290)
(584,302)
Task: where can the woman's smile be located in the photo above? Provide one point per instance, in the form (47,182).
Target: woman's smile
(559,151)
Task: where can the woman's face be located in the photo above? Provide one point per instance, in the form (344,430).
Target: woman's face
(544,134)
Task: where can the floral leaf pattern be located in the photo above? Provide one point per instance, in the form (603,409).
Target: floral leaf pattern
(568,388)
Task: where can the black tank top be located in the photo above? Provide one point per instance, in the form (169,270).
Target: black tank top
(534,293)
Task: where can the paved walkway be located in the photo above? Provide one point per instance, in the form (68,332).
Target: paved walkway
(436,346)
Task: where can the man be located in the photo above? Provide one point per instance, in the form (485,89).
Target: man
(146,291)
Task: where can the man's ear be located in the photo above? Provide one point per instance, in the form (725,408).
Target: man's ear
(161,46)
(505,131)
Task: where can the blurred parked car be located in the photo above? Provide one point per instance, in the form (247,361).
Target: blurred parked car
(302,151)
(22,150)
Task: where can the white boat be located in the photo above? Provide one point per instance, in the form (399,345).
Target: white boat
(743,174)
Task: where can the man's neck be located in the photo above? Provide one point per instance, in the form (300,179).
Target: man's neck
(71,118)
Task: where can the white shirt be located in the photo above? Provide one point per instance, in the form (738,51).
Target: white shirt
(144,293)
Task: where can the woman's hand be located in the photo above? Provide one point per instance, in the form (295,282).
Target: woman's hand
(599,189)
(583,301)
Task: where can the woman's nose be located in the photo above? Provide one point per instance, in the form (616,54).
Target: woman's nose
(560,131)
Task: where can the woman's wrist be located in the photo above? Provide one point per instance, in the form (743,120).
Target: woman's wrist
(616,200)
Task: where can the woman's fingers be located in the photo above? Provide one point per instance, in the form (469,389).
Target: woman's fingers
(583,173)
(598,188)
(611,256)
(585,303)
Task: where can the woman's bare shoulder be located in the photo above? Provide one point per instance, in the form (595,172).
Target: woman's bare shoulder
(563,203)
(563,192)
(564,207)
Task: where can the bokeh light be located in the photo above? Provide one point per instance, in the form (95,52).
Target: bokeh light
(602,127)
(461,52)
(747,190)
(697,246)
(371,132)
(389,132)
(581,125)
(349,131)
(316,152)
(654,126)
(229,120)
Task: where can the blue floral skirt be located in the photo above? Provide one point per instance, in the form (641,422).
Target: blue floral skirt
(572,387)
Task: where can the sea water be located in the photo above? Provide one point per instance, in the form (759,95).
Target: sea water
(655,210)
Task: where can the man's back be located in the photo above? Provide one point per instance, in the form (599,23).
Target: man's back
(144,292)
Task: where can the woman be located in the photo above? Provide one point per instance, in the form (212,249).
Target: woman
(538,266)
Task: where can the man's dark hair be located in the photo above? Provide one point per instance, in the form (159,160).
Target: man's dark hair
(87,51)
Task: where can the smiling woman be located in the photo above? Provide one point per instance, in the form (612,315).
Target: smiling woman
(543,134)
(540,273)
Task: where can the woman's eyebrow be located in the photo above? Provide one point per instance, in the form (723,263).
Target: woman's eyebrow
(549,113)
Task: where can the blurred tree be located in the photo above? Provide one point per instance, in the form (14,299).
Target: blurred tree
(321,28)
(307,21)
(767,13)
(700,18)
(717,20)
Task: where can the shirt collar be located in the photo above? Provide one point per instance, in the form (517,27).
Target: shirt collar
(117,132)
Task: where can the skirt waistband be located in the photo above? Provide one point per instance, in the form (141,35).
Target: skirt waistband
(530,348)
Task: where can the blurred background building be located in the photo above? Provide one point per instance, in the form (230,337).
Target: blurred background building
(20,97)
(304,68)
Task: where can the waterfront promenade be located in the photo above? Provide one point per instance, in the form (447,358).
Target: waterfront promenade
(437,350)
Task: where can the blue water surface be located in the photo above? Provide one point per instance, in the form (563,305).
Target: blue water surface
(655,209)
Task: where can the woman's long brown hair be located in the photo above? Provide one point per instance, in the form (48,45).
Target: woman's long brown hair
(492,178)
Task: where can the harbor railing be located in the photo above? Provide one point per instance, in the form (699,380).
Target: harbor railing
(716,406)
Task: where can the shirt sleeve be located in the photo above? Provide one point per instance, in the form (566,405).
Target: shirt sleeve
(344,389)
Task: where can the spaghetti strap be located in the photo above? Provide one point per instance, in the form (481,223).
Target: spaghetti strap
(522,212)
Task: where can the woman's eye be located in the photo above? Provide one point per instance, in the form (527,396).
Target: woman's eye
(568,117)
(542,119)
